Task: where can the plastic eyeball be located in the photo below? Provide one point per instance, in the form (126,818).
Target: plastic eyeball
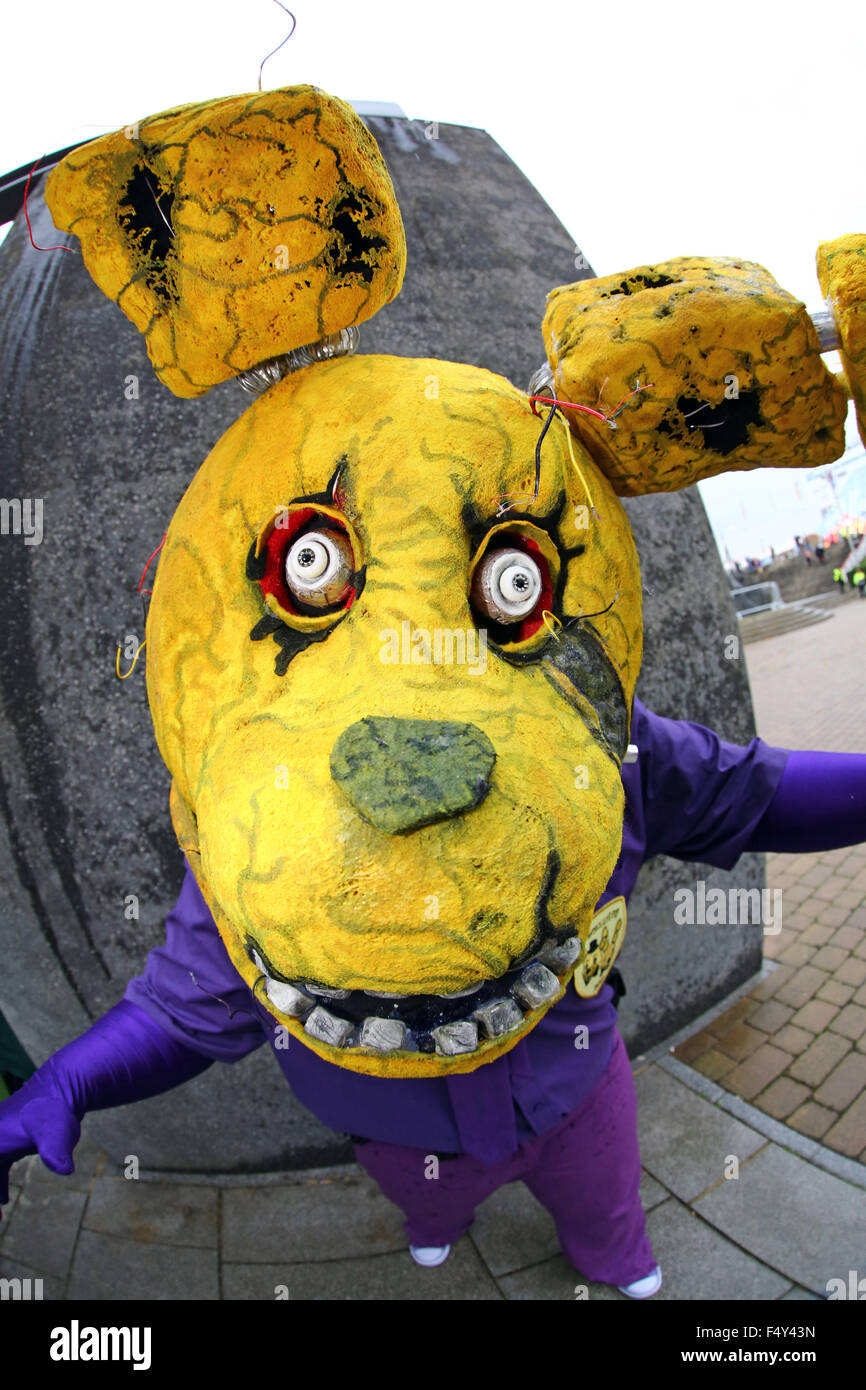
(319,567)
(507,585)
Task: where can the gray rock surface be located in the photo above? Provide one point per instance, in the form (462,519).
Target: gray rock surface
(83,794)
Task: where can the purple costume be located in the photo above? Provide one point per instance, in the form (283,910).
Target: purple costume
(560,1117)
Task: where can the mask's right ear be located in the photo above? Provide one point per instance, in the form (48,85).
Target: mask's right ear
(842,276)
(728,365)
(235,230)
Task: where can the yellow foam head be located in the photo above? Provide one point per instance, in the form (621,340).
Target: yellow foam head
(393,723)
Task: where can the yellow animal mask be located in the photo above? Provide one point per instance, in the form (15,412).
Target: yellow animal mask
(396,623)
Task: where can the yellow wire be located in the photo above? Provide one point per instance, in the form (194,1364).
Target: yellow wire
(546,613)
(134,660)
(577,466)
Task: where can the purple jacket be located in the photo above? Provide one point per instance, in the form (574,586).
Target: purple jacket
(690,795)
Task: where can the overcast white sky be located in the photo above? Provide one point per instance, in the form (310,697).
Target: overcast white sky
(652,129)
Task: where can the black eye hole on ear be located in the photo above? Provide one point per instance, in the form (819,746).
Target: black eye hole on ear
(512,582)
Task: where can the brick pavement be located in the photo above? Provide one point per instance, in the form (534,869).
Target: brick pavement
(795,1047)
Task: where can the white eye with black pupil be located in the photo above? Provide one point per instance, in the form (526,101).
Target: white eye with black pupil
(319,566)
(507,585)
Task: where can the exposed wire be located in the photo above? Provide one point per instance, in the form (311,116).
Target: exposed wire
(582,617)
(149,563)
(551,400)
(618,409)
(70,249)
(142,592)
(134,661)
(279,45)
(578,468)
(608,418)
(158,208)
(546,613)
(538,445)
(219,999)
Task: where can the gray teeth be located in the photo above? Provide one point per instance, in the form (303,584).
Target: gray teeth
(384,1034)
(451,1038)
(560,956)
(328,993)
(497,1017)
(326,1027)
(536,985)
(462,993)
(288,999)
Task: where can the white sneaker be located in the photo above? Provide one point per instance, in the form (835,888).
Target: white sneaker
(429,1255)
(643,1288)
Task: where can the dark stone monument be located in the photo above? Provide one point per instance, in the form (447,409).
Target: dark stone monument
(84,822)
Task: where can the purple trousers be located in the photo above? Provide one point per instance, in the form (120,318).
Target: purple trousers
(585,1171)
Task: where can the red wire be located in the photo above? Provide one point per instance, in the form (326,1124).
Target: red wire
(621,403)
(148,565)
(548,400)
(27,220)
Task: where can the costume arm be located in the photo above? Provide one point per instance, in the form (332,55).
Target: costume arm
(125,1056)
(188,1009)
(820,804)
(700,797)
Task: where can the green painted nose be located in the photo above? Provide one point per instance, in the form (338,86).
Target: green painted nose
(400,774)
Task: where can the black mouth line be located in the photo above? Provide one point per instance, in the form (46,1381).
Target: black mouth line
(433,1022)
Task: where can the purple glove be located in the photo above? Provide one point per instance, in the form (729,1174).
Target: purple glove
(820,804)
(124,1057)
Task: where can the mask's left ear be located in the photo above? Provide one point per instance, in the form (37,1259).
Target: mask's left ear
(236,230)
(713,366)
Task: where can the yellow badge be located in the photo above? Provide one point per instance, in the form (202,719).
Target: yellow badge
(601,948)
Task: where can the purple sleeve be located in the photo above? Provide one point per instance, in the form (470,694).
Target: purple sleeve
(190,987)
(820,804)
(123,1057)
(701,796)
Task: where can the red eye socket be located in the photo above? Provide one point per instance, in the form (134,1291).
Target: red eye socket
(512,587)
(310,565)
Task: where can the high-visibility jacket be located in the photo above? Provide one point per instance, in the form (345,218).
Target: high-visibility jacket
(837,575)
(859,577)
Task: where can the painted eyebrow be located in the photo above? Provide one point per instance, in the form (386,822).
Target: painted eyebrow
(478,525)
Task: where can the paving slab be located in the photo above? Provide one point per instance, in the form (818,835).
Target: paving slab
(698,1263)
(7,1211)
(43,1228)
(556,1279)
(391,1277)
(684,1140)
(794,1217)
(154,1213)
(89,1159)
(512,1230)
(651,1192)
(112,1269)
(320,1220)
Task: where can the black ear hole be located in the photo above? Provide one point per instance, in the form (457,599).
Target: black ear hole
(145,216)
